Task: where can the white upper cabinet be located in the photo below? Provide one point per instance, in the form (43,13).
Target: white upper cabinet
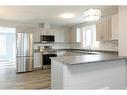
(66,36)
(37,34)
(107,28)
(61,35)
(115,27)
(75,35)
(72,34)
(58,35)
(103,29)
(46,31)
(42,31)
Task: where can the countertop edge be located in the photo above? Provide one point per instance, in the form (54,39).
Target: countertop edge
(95,61)
(103,60)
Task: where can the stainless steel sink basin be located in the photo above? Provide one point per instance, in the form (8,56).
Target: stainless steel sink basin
(85,52)
(92,52)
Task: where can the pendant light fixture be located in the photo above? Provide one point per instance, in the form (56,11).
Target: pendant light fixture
(91,15)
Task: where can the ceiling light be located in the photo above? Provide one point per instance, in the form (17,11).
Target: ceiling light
(67,15)
(92,15)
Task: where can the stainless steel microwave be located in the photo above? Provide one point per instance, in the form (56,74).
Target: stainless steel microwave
(47,38)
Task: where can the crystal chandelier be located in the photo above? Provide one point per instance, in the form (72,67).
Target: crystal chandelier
(91,15)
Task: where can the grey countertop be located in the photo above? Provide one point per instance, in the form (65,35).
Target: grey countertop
(69,49)
(88,58)
(77,56)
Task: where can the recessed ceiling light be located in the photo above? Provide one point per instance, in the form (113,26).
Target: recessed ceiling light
(67,15)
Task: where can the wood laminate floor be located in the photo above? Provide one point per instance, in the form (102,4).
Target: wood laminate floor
(38,79)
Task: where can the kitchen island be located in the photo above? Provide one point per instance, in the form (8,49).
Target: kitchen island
(89,71)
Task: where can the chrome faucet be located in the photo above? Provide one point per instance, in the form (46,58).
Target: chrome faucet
(90,49)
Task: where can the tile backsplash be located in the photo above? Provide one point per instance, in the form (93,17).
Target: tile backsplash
(61,46)
(110,45)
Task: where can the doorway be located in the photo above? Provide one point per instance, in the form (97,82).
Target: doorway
(7,47)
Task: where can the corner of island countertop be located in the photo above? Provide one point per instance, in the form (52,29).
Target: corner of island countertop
(78,59)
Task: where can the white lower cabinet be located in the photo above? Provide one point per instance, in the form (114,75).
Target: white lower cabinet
(97,75)
(37,59)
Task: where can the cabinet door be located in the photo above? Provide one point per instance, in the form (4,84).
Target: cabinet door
(37,59)
(44,31)
(56,33)
(51,31)
(73,35)
(59,35)
(103,29)
(115,27)
(36,37)
(98,31)
(104,33)
(37,34)
(66,38)
(110,28)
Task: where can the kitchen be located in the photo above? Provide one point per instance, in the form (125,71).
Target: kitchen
(56,38)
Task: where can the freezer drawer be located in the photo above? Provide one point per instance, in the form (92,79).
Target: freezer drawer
(24,64)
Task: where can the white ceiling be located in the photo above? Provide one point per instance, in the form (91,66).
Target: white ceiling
(49,14)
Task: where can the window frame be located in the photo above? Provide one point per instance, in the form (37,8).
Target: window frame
(94,43)
(3,44)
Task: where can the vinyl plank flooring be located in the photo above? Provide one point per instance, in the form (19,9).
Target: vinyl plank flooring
(39,79)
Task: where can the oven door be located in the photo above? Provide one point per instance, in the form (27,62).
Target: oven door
(46,58)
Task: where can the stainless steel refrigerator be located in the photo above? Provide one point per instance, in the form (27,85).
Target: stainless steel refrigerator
(24,54)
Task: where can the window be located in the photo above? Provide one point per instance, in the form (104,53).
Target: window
(7,38)
(89,37)
(2,44)
(78,34)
